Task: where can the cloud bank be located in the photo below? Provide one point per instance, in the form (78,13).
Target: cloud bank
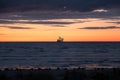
(16,27)
(55,22)
(99,28)
(114,22)
(56,5)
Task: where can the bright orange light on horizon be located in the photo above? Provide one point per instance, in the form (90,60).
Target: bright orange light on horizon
(70,32)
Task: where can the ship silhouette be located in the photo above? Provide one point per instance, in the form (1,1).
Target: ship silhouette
(60,39)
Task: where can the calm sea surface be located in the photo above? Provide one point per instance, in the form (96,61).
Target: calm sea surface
(53,54)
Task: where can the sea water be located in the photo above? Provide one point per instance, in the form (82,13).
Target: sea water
(64,54)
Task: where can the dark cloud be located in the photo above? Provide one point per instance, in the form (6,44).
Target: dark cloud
(47,22)
(13,27)
(58,25)
(9,21)
(98,28)
(5,22)
(114,22)
(16,27)
(56,5)
(37,15)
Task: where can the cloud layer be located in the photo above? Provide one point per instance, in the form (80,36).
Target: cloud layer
(56,5)
(115,22)
(16,27)
(53,22)
(99,28)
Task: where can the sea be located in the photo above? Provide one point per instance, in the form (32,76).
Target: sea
(59,54)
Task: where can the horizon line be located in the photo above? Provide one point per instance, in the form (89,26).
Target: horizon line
(56,41)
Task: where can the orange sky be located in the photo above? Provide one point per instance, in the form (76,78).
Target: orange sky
(70,32)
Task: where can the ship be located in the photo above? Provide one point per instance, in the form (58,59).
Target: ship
(60,39)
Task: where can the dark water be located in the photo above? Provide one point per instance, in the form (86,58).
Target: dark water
(52,54)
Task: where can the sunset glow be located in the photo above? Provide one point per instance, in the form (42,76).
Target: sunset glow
(70,29)
(39,20)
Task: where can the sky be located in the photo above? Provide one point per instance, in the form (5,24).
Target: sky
(46,20)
